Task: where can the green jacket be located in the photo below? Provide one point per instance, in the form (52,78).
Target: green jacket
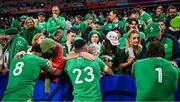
(52,24)
(28,34)
(16,45)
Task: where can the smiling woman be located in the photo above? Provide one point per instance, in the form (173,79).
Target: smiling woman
(30,30)
(131,53)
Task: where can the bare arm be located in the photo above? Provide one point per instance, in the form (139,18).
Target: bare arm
(54,71)
(129,62)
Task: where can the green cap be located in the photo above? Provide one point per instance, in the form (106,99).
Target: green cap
(11,31)
(153,30)
(94,32)
(109,27)
(48,46)
(96,20)
(88,15)
(15,23)
(75,27)
(175,22)
(23,17)
(1,31)
(78,37)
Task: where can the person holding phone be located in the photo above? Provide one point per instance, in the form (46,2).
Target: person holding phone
(131,53)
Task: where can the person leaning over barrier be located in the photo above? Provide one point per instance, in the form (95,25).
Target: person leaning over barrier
(84,72)
(24,72)
(156,78)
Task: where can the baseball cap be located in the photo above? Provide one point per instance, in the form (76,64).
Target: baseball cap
(75,27)
(23,17)
(48,46)
(112,36)
(15,23)
(11,31)
(175,22)
(153,30)
(88,15)
(41,13)
(96,20)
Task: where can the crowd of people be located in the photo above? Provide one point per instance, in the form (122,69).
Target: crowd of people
(144,46)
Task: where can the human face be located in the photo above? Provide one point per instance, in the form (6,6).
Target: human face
(55,10)
(162,25)
(94,38)
(172,13)
(30,23)
(41,18)
(158,12)
(134,39)
(135,15)
(118,32)
(71,37)
(39,40)
(111,16)
(95,26)
(133,25)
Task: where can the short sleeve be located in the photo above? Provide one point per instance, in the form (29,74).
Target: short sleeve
(44,64)
(101,64)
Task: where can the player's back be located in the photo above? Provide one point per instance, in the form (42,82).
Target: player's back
(156,79)
(85,76)
(22,76)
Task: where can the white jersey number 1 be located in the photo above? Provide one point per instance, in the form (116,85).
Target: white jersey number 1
(159,70)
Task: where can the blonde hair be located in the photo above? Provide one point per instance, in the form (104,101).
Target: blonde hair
(128,45)
(34,40)
(29,18)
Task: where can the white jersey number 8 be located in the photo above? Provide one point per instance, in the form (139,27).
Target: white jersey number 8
(159,70)
(18,68)
(79,72)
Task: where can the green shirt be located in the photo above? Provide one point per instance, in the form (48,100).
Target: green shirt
(52,24)
(28,34)
(142,26)
(41,26)
(85,77)
(16,45)
(65,49)
(156,79)
(157,18)
(23,74)
(168,47)
(145,17)
(111,26)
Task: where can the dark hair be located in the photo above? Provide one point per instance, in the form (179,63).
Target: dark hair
(139,7)
(115,12)
(68,31)
(78,44)
(36,48)
(155,49)
(134,10)
(132,19)
(160,7)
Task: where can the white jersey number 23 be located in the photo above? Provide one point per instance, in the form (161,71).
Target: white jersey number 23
(87,70)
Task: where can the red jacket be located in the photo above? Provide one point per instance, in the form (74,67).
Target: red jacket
(57,62)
